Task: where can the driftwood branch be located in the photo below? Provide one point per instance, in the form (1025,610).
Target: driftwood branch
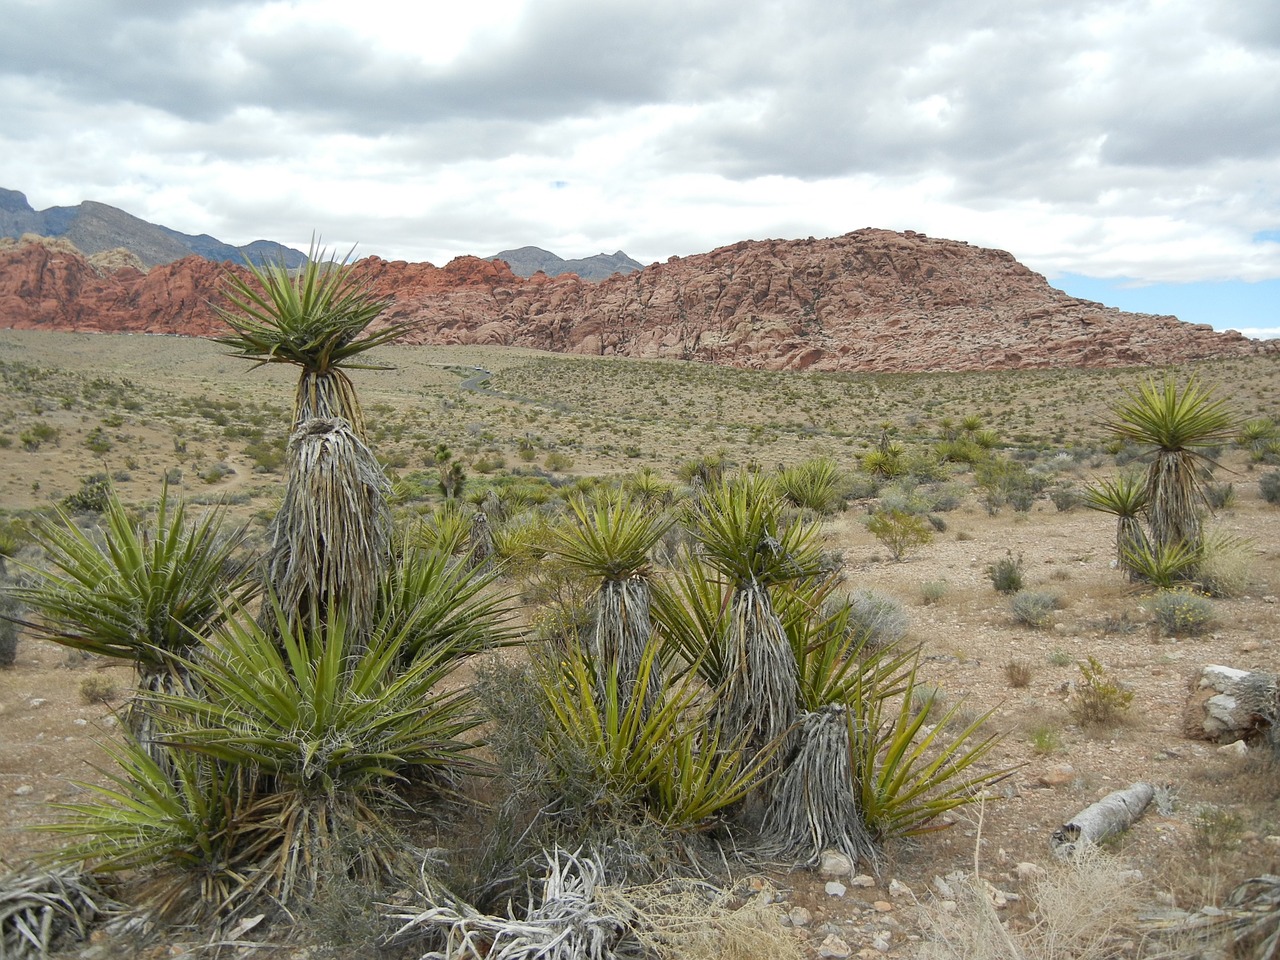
(1113,814)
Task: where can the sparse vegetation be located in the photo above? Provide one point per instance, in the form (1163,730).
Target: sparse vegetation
(1006,574)
(1183,613)
(1099,700)
(1034,608)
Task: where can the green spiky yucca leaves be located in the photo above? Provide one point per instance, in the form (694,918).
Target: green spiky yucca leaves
(623,761)
(609,539)
(140,592)
(814,485)
(691,613)
(1176,424)
(315,318)
(1125,498)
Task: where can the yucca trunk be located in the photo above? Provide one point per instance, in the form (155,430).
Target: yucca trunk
(327,395)
(1130,540)
(814,806)
(621,637)
(763,688)
(480,542)
(1173,510)
(331,539)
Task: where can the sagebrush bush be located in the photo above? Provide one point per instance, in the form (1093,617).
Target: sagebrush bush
(1269,485)
(1034,608)
(879,618)
(1225,567)
(1006,573)
(931,591)
(1182,613)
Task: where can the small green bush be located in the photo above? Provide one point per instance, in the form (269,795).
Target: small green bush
(1099,700)
(931,591)
(1226,565)
(1269,485)
(1006,573)
(1182,613)
(92,497)
(1035,608)
(559,462)
(1060,658)
(900,532)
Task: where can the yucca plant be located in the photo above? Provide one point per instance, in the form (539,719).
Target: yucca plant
(1176,424)
(738,524)
(445,529)
(142,591)
(1125,498)
(813,484)
(328,723)
(691,614)
(626,762)
(330,541)
(316,318)
(609,539)
(1164,566)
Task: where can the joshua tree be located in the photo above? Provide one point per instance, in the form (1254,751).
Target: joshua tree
(316,318)
(1176,425)
(1125,498)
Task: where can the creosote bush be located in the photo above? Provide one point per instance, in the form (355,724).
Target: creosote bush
(1006,573)
(1034,608)
(900,532)
(1100,700)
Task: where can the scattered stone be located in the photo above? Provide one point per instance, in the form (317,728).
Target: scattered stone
(899,889)
(863,880)
(882,942)
(1237,749)
(800,917)
(25,790)
(834,948)
(882,906)
(835,888)
(36,702)
(1028,871)
(1273,839)
(835,864)
(1059,775)
(947,906)
(943,889)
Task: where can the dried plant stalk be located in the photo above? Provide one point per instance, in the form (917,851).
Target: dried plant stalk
(622,635)
(763,688)
(331,539)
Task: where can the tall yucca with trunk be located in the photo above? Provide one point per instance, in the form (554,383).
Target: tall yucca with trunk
(738,523)
(316,318)
(1176,425)
(610,538)
(1125,498)
(330,542)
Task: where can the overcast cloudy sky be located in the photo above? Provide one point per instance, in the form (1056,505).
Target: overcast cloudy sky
(1128,149)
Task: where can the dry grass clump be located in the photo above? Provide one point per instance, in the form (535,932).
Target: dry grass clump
(39,907)
(1018,673)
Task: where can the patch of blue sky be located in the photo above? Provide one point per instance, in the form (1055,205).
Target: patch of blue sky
(1251,308)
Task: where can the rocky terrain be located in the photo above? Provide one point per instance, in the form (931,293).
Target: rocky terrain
(870,300)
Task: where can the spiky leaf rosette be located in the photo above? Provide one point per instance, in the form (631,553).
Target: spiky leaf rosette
(1176,424)
(738,521)
(1125,498)
(331,539)
(315,318)
(815,804)
(760,700)
(691,609)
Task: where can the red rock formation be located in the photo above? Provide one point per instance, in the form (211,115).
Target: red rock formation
(871,300)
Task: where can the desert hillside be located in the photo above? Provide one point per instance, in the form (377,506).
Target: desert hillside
(868,301)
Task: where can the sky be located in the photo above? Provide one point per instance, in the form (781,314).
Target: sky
(1129,150)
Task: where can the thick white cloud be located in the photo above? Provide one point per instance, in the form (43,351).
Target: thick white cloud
(1135,138)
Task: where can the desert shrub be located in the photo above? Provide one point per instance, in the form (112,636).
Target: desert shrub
(1002,481)
(98,689)
(1225,567)
(1044,738)
(92,497)
(879,619)
(38,434)
(1182,613)
(1018,673)
(557,461)
(931,591)
(1006,573)
(1220,496)
(488,463)
(1034,608)
(1099,699)
(1217,831)
(900,532)
(97,441)
(1065,498)
(905,496)
(1269,486)
(1060,658)
(267,456)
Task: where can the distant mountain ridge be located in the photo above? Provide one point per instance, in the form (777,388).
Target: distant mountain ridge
(526,261)
(96,228)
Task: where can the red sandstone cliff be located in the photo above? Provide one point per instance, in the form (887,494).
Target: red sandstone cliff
(870,300)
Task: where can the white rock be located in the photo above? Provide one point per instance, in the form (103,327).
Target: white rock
(35,702)
(1237,749)
(25,790)
(835,888)
(863,880)
(800,917)
(1028,871)
(943,889)
(835,864)
(834,948)
(882,942)
(899,889)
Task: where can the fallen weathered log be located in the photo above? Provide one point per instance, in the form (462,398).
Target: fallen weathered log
(1115,813)
(1226,704)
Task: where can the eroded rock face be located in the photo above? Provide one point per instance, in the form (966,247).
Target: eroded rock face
(871,300)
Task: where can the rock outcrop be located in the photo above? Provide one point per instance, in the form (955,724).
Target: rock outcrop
(871,300)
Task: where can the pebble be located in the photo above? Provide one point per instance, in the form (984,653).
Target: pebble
(882,942)
(834,948)
(800,917)
(835,888)
(863,880)
(943,889)
(882,906)
(25,790)
(1059,775)
(1237,749)
(835,864)
(899,889)
(35,702)
(1028,871)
